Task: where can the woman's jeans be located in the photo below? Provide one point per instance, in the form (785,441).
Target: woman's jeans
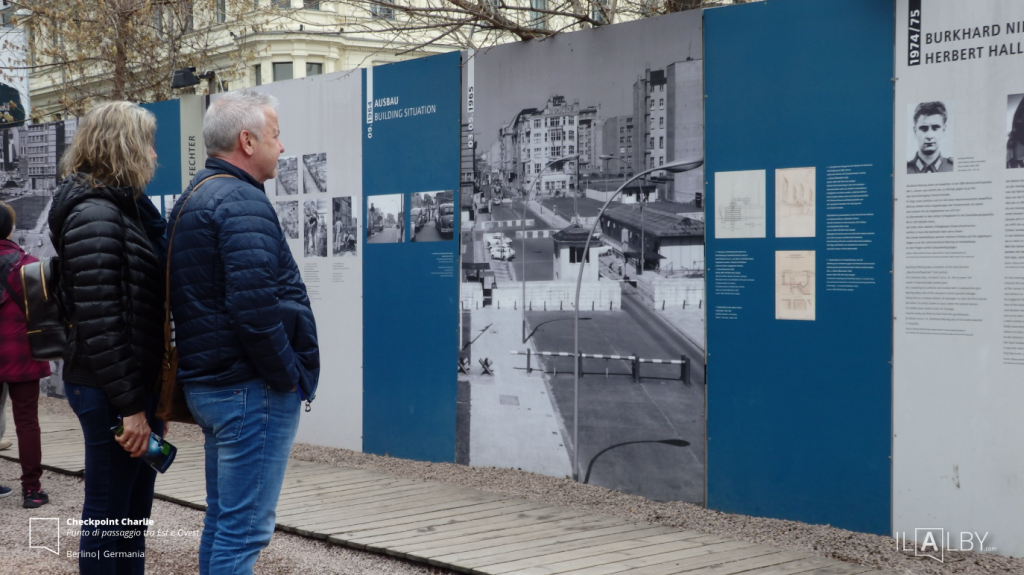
(117,486)
(249,431)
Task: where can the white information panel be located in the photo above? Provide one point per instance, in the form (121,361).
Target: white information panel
(958,397)
(317,195)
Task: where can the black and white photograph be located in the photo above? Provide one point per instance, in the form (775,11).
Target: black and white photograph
(559,128)
(385,219)
(288,215)
(314,173)
(930,141)
(345,227)
(287,176)
(432,216)
(1015,131)
(315,228)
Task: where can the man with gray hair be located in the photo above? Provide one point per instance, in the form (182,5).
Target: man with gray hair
(245,333)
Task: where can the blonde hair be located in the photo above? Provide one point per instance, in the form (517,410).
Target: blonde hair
(112,146)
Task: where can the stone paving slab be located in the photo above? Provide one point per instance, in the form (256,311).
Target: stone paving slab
(458,528)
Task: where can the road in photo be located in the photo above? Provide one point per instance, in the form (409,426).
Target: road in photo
(385,219)
(557,133)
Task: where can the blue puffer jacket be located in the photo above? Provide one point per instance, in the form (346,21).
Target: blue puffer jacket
(240,307)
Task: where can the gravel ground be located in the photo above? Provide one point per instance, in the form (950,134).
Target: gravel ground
(873,551)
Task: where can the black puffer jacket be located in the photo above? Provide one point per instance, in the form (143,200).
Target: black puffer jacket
(112,285)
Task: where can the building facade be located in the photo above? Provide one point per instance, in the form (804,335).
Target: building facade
(40,149)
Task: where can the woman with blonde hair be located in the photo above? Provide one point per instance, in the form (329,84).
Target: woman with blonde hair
(108,235)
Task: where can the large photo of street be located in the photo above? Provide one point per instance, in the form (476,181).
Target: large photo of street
(552,131)
(28,180)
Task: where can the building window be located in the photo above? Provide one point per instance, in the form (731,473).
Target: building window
(661,88)
(282,71)
(282,3)
(622,140)
(257,74)
(652,138)
(536,168)
(311,4)
(222,11)
(572,135)
(385,12)
(536,123)
(661,142)
(661,160)
(629,149)
(576,256)
(661,103)
(661,122)
(313,69)
(652,103)
(572,149)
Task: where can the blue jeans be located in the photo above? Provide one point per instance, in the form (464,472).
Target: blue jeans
(249,431)
(117,486)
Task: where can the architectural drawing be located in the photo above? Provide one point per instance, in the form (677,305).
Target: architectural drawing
(739,204)
(794,285)
(794,203)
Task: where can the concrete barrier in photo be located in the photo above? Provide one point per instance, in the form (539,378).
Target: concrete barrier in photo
(660,293)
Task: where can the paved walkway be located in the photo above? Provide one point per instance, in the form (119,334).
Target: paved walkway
(459,528)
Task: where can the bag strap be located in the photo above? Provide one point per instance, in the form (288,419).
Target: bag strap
(170,244)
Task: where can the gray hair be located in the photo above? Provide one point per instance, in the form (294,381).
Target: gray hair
(232,113)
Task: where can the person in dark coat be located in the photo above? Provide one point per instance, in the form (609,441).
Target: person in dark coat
(245,331)
(107,234)
(18,371)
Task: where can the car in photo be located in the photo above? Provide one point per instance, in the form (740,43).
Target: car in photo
(445,223)
(503,253)
(497,239)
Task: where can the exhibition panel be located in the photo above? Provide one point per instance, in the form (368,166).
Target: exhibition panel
(316,194)
(959,281)
(410,140)
(799,216)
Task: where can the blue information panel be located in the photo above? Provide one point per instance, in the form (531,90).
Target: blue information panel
(410,263)
(799,114)
(167,179)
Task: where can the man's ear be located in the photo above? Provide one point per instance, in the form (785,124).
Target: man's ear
(245,140)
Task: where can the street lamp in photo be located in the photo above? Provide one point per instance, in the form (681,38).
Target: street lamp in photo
(673,167)
(526,204)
